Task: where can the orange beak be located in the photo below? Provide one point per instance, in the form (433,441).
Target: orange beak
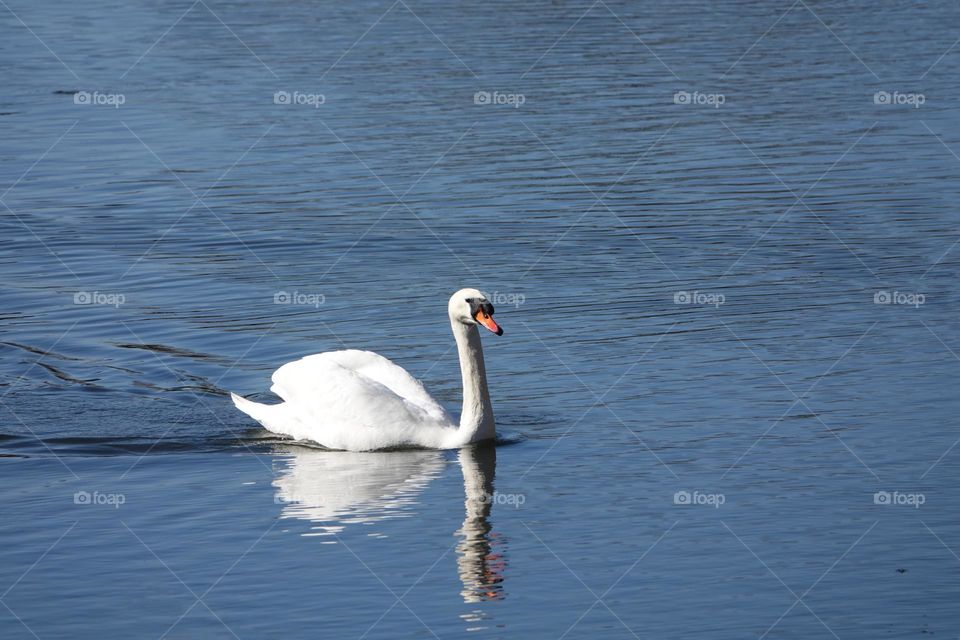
(487,320)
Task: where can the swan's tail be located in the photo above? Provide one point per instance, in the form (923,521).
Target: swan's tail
(274,417)
(259,412)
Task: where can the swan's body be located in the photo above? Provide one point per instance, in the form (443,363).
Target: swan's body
(361,401)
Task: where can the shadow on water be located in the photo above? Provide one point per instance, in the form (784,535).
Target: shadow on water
(29,446)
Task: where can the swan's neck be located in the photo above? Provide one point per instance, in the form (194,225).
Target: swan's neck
(476,419)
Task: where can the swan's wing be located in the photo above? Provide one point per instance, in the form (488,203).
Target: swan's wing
(356,387)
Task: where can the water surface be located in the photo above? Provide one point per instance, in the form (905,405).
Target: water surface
(721,240)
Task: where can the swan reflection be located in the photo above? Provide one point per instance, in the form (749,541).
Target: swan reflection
(333,489)
(481,557)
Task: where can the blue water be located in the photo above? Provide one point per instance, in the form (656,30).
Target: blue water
(721,239)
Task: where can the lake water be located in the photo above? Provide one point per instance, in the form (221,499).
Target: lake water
(721,240)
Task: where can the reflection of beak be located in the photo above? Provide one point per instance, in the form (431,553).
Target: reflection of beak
(487,320)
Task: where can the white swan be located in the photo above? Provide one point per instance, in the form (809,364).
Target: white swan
(360,401)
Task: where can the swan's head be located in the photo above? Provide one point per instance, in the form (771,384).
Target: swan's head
(471,307)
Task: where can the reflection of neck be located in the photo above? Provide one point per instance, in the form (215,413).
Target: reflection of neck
(476,418)
(480,563)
